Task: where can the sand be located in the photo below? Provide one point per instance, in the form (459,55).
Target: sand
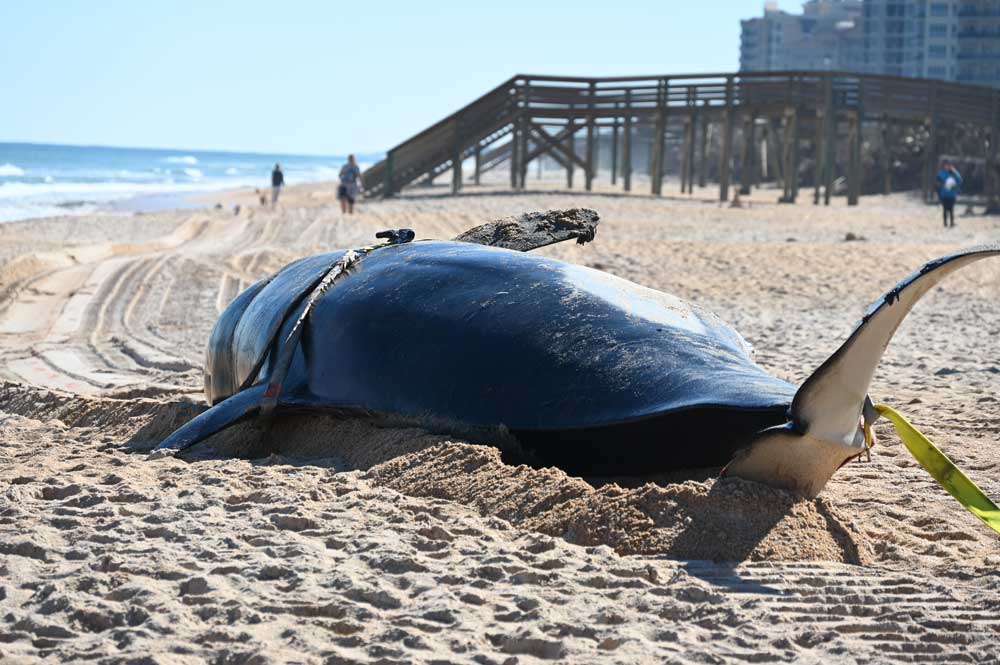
(358,541)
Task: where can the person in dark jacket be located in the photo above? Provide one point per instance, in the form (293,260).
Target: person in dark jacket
(949,182)
(277,182)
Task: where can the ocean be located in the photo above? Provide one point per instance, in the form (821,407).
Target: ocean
(40,180)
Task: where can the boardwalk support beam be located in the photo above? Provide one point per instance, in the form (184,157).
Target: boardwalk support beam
(790,148)
(854,159)
(727,142)
(991,185)
(589,151)
(627,144)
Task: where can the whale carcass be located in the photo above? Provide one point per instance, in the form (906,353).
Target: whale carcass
(572,366)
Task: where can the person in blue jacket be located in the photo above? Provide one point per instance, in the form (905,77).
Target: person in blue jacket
(949,182)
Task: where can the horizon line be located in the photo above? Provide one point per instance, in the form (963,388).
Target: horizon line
(185,149)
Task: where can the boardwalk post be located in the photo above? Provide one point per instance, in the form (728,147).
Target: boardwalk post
(830,140)
(703,147)
(727,142)
(689,153)
(854,159)
(886,157)
(687,149)
(597,150)
(571,152)
(515,157)
(659,131)
(855,164)
(766,168)
(930,158)
(818,158)
(746,155)
(789,148)
(522,149)
(686,138)
(387,189)
(991,186)
(523,152)
(514,137)
(614,151)
(479,164)
(796,154)
(627,143)
(589,151)
(456,158)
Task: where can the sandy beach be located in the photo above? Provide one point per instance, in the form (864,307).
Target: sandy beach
(352,542)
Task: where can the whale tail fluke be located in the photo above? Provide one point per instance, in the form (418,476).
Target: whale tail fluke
(828,415)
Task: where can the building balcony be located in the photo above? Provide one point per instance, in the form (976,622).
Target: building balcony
(969,12)
(979,56)
(979,33)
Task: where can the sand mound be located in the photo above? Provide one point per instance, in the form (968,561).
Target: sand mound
(724,520)
(721,520)
(140,422)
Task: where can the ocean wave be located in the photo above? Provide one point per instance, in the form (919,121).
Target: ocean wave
(183,159)
(10,213)
(9,169)
(101,189)
(51,193)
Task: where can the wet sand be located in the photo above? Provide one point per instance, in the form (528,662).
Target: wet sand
(355,541)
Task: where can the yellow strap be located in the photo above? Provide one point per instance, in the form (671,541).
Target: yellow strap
(944,470)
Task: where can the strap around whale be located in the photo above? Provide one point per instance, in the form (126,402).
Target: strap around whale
(269,402)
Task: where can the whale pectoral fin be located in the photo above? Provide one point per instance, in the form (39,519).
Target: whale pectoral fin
(535,229)
(226,413)
(828,415)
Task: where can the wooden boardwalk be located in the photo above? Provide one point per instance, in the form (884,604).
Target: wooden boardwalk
(689,121)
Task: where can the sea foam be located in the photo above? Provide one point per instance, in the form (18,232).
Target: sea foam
(9,169)
(185,159)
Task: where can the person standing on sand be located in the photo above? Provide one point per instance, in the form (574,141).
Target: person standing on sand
(277,182)
(350,179)
(949,181)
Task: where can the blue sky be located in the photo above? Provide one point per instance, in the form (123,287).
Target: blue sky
(318,77)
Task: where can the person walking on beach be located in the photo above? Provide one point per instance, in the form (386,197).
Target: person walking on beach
(350,179)
(277,182)
(949,181)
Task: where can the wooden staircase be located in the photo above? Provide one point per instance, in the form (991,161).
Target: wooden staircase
(436,149)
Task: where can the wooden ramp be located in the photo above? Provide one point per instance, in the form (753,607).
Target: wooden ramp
(774,115)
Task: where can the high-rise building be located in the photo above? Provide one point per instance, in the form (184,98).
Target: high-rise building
(978,57)
(826,36)
(912,38)
(952,40)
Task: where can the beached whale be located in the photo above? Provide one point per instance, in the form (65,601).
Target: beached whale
(571,366)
